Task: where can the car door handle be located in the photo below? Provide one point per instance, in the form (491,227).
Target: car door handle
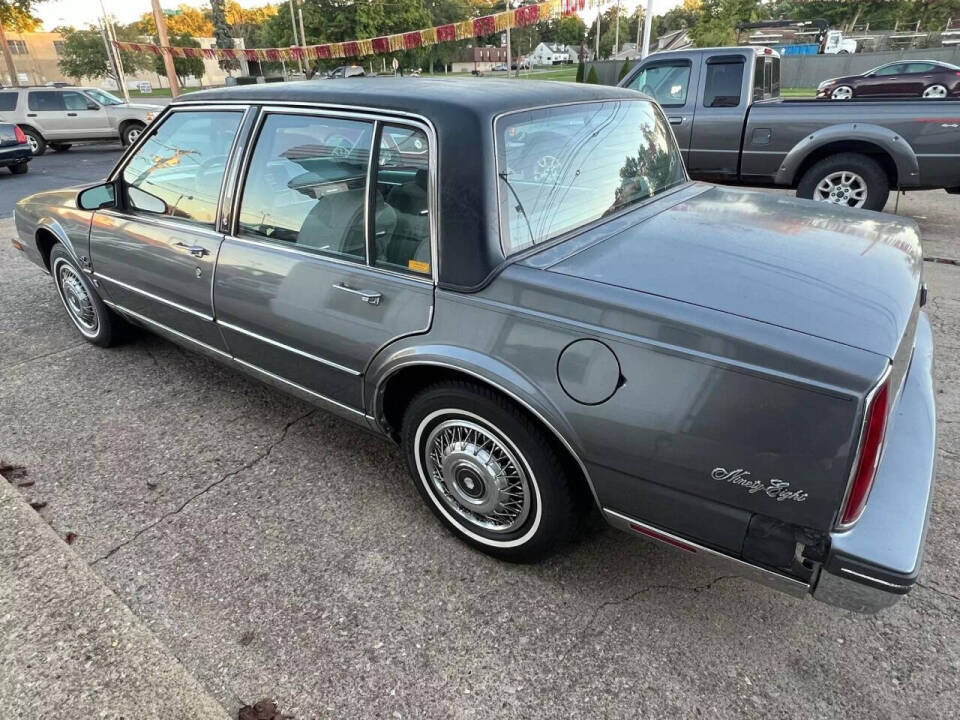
(373,298)
(676,120)
(198,251)
(31,114)
(71,114)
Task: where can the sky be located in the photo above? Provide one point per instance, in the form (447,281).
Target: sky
(79,14)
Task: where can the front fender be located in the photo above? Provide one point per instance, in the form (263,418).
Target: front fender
(908,169)
(484,368)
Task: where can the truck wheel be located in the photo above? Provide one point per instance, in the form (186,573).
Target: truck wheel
(848,179)
(36,142)
(489,472)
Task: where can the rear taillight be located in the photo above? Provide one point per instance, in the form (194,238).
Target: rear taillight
(871,444)
(21,138)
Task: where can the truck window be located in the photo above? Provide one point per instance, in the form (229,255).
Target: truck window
(766,78)
(665,82)
(724,80)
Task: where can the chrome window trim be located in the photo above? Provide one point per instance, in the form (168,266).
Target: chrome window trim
(157,298)
(228,181)
(282,346)
(367,237)
(597,221)
(166,328)
(348,112)
(164,221)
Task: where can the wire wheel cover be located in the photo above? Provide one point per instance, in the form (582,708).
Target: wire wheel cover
(477,476)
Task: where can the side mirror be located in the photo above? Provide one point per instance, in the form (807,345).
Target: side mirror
(141,200)
(92,106)
(97,197)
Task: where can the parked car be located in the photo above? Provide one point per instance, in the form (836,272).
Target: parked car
(500,68)
(346,71)
(726,112)
(928,79)
(14,149)
(58,117)
(739,375)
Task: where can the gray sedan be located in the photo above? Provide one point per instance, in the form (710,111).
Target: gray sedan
(519,284)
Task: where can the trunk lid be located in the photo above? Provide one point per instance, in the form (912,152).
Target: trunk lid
(843,275)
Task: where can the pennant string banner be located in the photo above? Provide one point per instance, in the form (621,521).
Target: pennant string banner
(477,27)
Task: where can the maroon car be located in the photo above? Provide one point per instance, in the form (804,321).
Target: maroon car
(916,78)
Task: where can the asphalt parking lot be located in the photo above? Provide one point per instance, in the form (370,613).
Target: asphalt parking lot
(278,552)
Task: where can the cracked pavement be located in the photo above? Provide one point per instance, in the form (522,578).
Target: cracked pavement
(279,552)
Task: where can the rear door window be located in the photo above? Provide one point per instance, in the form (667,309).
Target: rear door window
(667,83)
(895,69)
(306,185)
(921,67)
(76,101)
(179,169)
(8,101)
(42,100)
(723,83)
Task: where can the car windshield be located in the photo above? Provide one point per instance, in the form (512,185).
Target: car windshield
(104,98)
(563,167)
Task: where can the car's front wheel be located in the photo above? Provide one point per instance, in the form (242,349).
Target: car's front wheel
(95,321)
(848,179)
(490,472)
(935,92)
(130,132)
(843,92)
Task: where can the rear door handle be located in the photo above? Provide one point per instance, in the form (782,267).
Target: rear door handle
(198,251)
(71,114)
(372,298)
(674,120)
(31,114)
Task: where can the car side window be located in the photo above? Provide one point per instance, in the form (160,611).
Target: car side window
(920,67)
(723,83)
(896,69)
(401,221)
(75,101)
(8,101)
(179,169)
(666,83)
(306,184)
(45,100)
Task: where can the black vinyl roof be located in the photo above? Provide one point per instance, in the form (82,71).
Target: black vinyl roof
(424,96)
(462,112)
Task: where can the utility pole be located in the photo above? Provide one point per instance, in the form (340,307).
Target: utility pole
(647,22)
(11,68)
(293,24)
(616,37)
(161,22)
(113,54)
(596,52)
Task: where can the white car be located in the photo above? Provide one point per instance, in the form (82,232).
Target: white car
(58,117)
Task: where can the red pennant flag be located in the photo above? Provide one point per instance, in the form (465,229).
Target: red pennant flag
(351,49)
(484,26)
(527,15)
(446,33)
(412,40)
(250,54)
(323,52)
(381,44)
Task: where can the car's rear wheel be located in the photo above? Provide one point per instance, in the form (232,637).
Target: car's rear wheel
(489,472)
(38,146)
(130,132)
(847,179)
(95,321)
(60,147)
(935,92)
(843,92)
(19,168)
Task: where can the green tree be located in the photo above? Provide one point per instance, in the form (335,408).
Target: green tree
(624,69)
(592,78)
(184,67)
(717,23)
(85,56)
(580,71)
(222,32)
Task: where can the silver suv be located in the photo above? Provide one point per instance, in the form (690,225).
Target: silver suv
(57,117)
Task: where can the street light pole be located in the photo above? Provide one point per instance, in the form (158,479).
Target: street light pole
(616,38)
(293,23)
(113,54)
(171,71)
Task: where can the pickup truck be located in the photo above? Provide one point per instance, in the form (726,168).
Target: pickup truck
(724,107)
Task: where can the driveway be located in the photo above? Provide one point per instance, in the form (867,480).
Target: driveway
(279,552)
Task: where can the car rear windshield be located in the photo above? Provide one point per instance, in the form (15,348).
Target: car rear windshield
(563,167)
